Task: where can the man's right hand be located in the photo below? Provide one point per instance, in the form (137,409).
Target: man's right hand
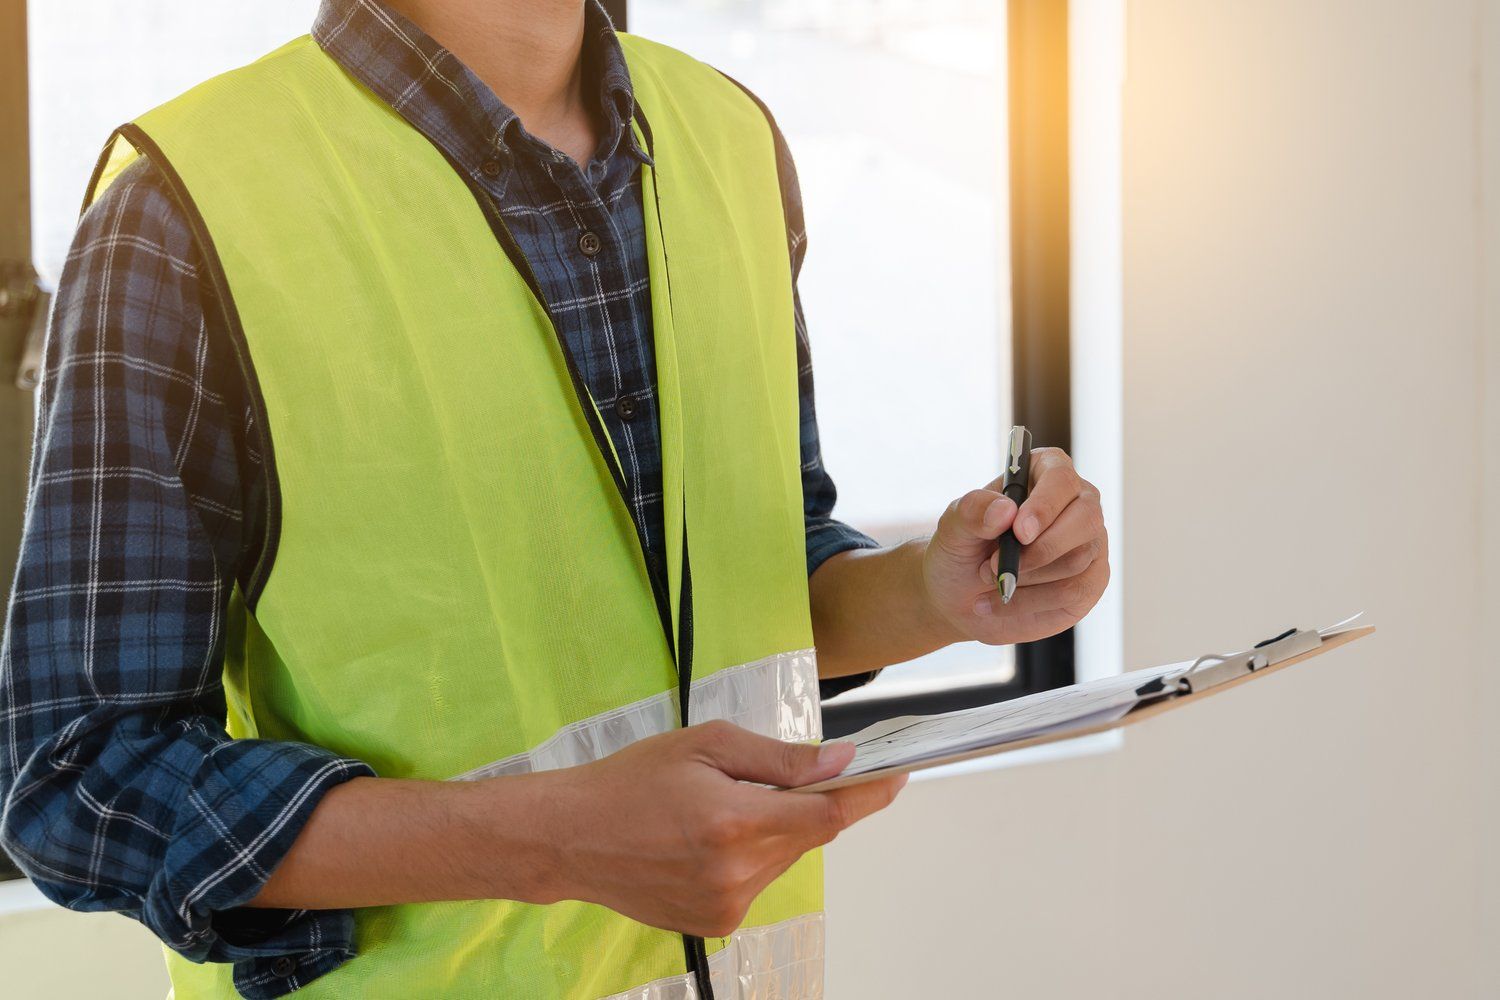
(667,832)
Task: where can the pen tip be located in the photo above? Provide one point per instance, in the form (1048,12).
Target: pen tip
(1007,587)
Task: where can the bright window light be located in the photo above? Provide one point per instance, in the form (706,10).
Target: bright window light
(96,64)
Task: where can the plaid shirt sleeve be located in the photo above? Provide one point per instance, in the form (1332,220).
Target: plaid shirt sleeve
(120,788)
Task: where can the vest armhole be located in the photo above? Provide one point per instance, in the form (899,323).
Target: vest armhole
(104,166)
(251,584)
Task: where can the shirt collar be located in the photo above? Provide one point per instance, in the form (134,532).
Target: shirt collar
(441,98)
(604,62)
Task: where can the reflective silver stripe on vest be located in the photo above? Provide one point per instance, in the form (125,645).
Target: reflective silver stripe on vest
(775,696)
(777,962)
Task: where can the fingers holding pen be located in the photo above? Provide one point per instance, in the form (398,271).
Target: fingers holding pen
(968,528)
(1071,538)
(1077,531)
(1055,537)
(1055,484)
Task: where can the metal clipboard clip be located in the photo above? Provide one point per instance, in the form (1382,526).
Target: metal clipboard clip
(1213,669)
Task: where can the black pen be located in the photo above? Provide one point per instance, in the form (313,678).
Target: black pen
(1017,486)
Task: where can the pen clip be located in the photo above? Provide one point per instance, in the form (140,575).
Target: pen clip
(1019,445)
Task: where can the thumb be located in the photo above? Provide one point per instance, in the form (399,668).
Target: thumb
(748,756)
(970,525)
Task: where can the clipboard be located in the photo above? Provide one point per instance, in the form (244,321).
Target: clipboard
(1162,689)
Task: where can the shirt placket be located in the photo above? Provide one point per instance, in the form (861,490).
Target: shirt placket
(618,360)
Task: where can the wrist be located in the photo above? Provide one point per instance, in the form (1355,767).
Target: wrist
(935,623)
(514,836)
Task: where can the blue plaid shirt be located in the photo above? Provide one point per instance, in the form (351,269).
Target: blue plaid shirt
(121,789)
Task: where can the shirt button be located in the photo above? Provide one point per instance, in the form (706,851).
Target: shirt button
(490,168)
(590,244)
(283,967)
(627,407)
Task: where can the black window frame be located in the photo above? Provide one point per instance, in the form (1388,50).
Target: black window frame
(20,299)
(1041,377)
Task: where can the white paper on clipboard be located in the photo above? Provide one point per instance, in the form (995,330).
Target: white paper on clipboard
(912,739)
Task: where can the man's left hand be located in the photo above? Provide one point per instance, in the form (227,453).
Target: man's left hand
(1064,562)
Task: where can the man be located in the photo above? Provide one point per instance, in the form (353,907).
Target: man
(428,400)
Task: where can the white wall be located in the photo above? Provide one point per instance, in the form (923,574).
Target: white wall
(1309,427)
(61,955)
(1310,304)
(1489,36)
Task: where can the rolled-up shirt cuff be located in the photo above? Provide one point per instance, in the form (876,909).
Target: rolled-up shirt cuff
(246,807)
(826,538)
(279,975)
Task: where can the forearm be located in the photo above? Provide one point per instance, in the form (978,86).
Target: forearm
(677,830)
(870,610)
(381,842)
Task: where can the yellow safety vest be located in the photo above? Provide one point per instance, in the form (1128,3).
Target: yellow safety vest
(453,584)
